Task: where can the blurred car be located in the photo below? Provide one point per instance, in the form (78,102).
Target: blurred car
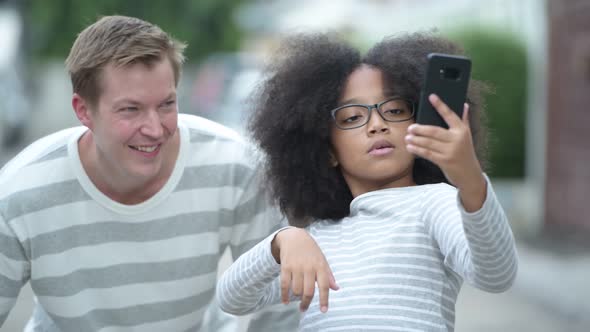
(234,108)
(221,87)
(13,100)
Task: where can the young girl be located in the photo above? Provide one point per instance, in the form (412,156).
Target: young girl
(396,235)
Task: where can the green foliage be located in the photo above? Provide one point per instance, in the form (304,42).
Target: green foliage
(206,25)
(499,59)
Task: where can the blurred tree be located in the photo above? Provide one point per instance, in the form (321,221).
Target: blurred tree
(499,59)
(206,25)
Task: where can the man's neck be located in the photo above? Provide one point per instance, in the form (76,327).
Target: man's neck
(122,189)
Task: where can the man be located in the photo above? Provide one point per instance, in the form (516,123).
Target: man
(120,224)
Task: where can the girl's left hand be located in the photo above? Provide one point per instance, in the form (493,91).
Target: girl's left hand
(303,265)
(452,150)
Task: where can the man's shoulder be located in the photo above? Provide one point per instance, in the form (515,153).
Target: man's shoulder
(209,138)
(222,150)
(205,129)
(49,147)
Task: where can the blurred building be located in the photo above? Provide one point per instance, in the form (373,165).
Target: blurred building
(568,138)
(14,107)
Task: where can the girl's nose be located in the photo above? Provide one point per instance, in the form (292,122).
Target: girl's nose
(376,123)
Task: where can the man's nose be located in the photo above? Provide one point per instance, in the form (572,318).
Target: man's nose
(152,124)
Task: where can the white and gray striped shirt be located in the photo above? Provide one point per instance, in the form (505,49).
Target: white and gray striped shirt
(399,258)
(98,265)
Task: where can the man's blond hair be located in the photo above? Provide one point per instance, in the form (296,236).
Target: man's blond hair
(122,41)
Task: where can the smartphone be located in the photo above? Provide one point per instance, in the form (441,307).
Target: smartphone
(447,76)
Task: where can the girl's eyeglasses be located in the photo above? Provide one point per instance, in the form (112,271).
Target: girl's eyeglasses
(394,109)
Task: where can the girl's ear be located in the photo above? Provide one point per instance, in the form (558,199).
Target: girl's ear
(333,160)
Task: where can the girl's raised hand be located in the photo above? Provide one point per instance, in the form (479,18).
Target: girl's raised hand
(302,266)
(452,150)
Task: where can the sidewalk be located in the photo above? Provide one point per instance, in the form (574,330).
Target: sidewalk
(560,282)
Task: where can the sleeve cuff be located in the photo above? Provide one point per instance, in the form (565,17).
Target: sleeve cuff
(269,260)
(489,200)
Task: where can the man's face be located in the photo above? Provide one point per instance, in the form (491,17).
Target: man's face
(134,122)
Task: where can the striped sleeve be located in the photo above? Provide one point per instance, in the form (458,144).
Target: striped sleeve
(251,282)
(479,246)
(14,269)
(254,216)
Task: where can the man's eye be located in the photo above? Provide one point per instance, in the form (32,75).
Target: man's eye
(168,105)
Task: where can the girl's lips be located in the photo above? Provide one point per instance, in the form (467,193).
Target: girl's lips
(381,147)
(381,151)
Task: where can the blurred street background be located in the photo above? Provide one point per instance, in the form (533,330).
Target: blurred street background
(534,53)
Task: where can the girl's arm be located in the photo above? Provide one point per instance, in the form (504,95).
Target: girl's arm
(252,281)
(479,245)
(470,227)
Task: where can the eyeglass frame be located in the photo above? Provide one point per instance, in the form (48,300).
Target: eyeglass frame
(377,106)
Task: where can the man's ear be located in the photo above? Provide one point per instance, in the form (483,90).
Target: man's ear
(333,160)
(82,110)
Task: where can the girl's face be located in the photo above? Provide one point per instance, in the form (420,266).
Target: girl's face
(373,156)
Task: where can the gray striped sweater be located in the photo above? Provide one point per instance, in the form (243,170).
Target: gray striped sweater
(399,258)
(98,265)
